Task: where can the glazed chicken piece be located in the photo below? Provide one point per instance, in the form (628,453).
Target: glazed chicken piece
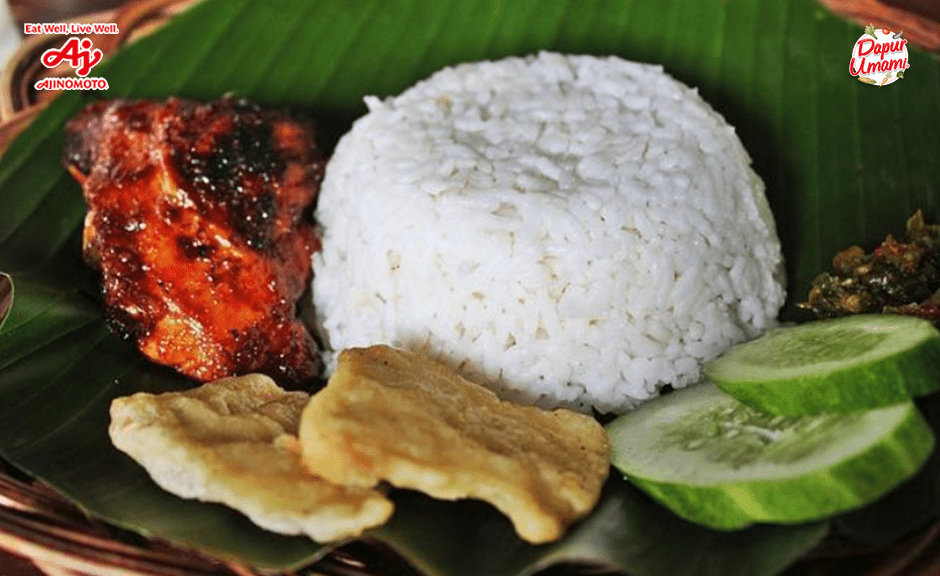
(196,219)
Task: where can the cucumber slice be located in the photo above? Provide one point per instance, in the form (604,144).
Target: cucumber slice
(842,365)
(717,462)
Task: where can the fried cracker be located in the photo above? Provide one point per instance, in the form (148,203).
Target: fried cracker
(234,441)
(392,415)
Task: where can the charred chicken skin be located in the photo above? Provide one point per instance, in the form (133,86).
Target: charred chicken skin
(196,220)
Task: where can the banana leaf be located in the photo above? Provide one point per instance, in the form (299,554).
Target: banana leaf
(844,163)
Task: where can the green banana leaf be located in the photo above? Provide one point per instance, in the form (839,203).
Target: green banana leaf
(844,163)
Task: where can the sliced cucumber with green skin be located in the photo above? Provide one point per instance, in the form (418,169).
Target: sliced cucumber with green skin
(842,365)
(717,462)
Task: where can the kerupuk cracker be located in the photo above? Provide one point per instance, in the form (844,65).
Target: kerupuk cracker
(392,415)
(234,441)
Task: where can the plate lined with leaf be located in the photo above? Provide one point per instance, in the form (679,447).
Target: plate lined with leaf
(844,164)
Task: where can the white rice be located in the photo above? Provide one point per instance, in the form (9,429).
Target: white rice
(568,230)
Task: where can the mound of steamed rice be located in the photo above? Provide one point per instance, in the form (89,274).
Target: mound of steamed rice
(568,230)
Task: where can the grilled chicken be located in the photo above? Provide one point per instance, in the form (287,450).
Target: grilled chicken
(196,219)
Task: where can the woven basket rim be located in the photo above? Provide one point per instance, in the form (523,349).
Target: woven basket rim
(41,525)
(20,102)
(38,523)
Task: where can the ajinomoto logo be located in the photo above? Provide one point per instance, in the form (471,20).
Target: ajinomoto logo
(78,53)
(879,57)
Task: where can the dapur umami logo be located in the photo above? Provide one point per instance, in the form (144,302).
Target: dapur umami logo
(879,57)
(78,53)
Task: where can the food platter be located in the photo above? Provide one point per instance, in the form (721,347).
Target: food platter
(756,103)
